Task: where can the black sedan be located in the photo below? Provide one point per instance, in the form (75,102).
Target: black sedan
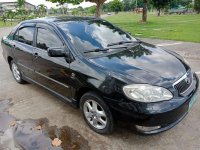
(102,70)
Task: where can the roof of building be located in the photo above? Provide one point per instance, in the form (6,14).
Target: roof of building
(15,2)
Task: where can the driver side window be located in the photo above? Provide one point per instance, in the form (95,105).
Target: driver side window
(47,39)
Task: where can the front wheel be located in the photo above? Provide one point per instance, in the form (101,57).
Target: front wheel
(96,113)
(16,72)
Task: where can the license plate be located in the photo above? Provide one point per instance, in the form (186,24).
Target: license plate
(193,100)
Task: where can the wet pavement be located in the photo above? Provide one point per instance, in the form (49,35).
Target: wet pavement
(30,134)
(32,101)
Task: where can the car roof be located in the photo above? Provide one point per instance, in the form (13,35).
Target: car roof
(60,19)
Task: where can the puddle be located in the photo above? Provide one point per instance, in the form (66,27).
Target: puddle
(30,134)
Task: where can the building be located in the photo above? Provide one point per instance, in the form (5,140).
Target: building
(4,6)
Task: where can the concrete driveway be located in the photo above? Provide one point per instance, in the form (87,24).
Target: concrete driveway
(32,101)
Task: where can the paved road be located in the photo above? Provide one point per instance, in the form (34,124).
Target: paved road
(32,101)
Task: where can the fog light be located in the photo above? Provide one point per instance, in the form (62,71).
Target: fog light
(147,129)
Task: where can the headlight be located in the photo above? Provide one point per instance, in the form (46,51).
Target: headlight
(147,93)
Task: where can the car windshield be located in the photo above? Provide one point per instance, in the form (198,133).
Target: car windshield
(93,34)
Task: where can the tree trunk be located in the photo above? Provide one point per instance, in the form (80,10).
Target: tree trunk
(144,14)
(63,10)
(159,11)
(98,10)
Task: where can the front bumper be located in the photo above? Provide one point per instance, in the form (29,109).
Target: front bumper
(163,115)
(187,106)
(160,128)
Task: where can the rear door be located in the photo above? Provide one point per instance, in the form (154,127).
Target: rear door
(52,72)
(23,48)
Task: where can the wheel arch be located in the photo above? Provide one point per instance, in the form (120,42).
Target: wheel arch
(9,59)
(83,91)
(80,93)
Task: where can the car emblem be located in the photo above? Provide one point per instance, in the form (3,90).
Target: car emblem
(187,80)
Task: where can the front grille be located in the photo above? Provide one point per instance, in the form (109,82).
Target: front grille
(185,82)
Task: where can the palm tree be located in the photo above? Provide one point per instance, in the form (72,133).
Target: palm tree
(42,9)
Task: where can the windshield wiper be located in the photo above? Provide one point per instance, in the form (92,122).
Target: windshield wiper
(97,50)
(123,42)
(104,49)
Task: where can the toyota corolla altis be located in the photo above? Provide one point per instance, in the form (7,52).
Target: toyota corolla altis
(104,71)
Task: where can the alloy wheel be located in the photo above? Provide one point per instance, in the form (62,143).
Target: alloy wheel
(16,72)
(95,114)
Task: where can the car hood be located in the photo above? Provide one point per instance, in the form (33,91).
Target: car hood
(144,63)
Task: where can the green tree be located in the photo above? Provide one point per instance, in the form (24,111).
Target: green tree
(74,12)
(92,10)
(116,6)
(53,10)
(142,4)
(130,5)
(62,2)
(127,5)
(10,15)
(160,4)
(197,6)
(99,4)
(20,3)
(176,3)
(106,7)
(185,3)
(42,9)
(21,13)
(4,18)
(80,8)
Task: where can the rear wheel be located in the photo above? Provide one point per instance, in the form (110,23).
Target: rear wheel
(96,113)
(16,72)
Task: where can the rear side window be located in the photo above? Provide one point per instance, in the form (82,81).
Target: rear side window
(25,35)
(47,39)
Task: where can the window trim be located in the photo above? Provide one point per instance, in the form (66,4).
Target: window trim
(49,28)
(25,25)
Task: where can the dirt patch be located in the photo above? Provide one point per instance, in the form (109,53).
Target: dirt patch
(30,134)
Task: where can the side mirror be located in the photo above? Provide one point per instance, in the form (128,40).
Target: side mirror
(56,52)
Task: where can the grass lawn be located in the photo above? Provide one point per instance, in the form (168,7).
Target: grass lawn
(171,27)
(7,24)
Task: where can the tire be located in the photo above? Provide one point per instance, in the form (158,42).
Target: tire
(100,119)
(16,72)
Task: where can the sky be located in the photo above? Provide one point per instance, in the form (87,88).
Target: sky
(49,4)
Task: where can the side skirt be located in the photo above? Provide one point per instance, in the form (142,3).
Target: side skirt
(64,99)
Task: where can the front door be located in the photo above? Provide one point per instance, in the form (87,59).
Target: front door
(23,49)
(52,72)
